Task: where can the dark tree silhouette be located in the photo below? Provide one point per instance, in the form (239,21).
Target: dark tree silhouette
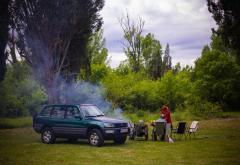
(53,37)
(4,21)
(78,57)
(226,13)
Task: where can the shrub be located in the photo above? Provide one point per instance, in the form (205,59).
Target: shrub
(140,113)
(19,93)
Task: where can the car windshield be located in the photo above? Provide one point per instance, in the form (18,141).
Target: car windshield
(91,111)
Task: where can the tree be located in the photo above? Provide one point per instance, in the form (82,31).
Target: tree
(226,13)
(19,94)
(167,60)
(152,55)
(50,33)
(177,68)
(4,21)
(78,58)
(96,48)
(133,39)
(205,49)
(218,44)
(216,75)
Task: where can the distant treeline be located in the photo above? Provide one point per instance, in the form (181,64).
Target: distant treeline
(74,51)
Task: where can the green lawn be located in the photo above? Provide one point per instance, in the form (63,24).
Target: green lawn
(15,122)
(216,143)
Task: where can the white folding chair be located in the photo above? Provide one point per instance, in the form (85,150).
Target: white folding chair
(193,128)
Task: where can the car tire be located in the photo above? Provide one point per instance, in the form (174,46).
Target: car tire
(48,136)
(120,140)
(95,138)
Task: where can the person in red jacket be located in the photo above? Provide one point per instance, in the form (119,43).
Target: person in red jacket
(166,114)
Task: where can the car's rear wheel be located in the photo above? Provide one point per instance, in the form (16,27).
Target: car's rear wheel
(95,138)
(48,136)
(120,140)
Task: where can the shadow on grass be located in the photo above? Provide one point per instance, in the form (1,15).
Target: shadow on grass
(84,142)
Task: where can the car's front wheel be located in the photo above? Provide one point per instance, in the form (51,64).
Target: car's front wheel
(95,137)
(48,136)
(120,140)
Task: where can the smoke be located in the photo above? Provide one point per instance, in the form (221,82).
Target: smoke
(48,30)
(81,92)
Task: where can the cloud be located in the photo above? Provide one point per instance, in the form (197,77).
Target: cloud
(115,58)
(185,25)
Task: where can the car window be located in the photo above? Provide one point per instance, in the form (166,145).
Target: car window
(46,111)
(91,111)
(58,112)
(72,112)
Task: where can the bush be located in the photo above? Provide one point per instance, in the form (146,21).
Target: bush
(140,113)
(202,108)
(19,93)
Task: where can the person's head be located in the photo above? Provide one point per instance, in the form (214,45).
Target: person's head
(164,108)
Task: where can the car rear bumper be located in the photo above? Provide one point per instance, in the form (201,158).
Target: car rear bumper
(112,133)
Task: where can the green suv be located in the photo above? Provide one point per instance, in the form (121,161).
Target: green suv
(83,121)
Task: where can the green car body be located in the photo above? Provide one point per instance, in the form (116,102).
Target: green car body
(83,121)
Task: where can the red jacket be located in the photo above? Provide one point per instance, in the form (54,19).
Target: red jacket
(166,115)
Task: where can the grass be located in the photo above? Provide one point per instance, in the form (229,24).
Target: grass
(217,142)
(15,122)
(7,123)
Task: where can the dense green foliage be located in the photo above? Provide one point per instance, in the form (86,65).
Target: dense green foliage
(217,77)
(20,95)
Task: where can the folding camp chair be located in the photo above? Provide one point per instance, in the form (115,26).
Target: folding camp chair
(181,128)
(161,130)
(193,128)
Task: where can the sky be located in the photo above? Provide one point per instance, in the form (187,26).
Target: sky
(184,24)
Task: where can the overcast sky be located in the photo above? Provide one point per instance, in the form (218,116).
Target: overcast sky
(184,24)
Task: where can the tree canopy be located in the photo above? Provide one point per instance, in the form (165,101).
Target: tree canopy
(226,13)
(50,33)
